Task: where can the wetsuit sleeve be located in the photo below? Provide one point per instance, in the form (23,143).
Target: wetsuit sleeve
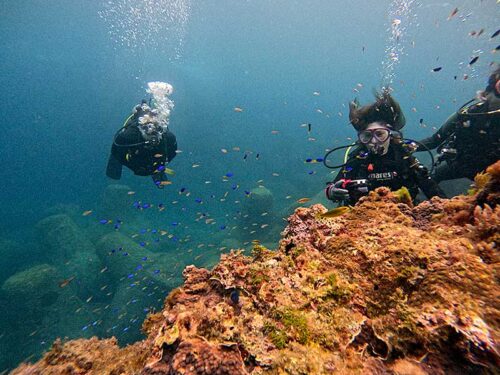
(438,137)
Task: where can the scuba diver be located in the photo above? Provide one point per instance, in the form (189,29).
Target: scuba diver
(469,141)
(144,145)
(382,157)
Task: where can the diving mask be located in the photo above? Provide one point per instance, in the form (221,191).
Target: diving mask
(376,138)
(378,134)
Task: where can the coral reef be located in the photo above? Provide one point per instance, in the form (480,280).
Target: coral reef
(134,278)
(384,288)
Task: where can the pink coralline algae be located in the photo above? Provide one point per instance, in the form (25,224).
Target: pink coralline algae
(385,288)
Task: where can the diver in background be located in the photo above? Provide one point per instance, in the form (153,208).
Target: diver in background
(382,158)
(143,145)
(469,141)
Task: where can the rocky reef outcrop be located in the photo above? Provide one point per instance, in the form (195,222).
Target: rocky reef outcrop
(382,288)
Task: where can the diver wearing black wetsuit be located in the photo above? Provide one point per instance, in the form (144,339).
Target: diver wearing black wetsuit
(382,157)
(469,141)
(365,171)
(143,146)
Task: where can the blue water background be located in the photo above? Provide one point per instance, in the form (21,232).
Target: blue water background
(66,87)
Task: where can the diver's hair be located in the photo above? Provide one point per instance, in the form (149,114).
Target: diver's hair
(493,78)
(385,109)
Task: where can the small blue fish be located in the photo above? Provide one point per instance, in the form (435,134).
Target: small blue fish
(146,206)
(142,231)
(125,254)
(235,296)
(308,160)
(126,329)
(145,309)
(319,160)
(182,190)
(117,226)
(103,221)
(222,227)
(175,223)
(156,272)
(154,231)
(311,172)
(142,243)
(139,267)
(247,192)
(228,175)
(198,200)
(348,169)
(161,168)
(234,187)
(131,276)
(144,258)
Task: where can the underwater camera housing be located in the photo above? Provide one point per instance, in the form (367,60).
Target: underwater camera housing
(447,154)
(358,188)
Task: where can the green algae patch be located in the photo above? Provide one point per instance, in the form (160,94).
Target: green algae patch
(295,322)
(277,336)
(340,292)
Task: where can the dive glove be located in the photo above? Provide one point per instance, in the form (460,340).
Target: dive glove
(335,191)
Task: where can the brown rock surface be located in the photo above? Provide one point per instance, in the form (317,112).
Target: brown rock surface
(383,289)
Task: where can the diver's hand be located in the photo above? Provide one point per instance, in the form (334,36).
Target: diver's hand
(335,191)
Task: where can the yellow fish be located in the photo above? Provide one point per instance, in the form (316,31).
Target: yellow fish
(86,213)
(163,183)
(169,171)
(335,212)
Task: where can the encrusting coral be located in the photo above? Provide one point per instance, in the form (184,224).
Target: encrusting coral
(385,288)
